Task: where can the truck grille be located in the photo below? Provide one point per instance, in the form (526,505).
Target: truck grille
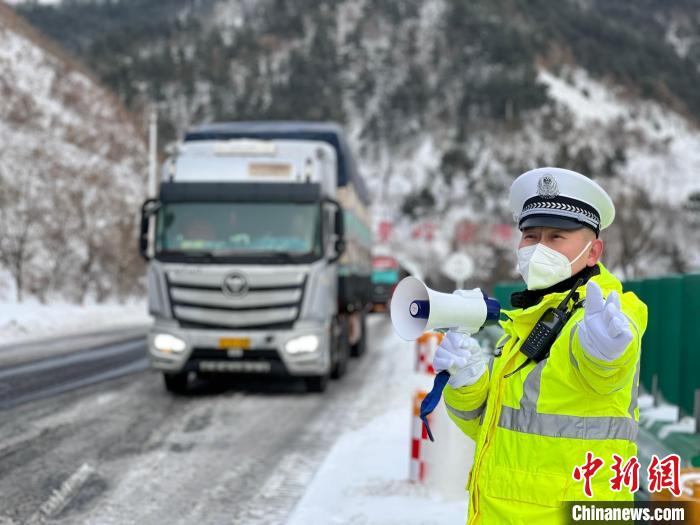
(269,300)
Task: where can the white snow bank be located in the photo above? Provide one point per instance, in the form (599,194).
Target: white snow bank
(22,322)
(364,480)
(664,413)
(645,401)
(685,426)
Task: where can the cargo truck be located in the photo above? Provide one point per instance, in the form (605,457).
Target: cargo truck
(259,254)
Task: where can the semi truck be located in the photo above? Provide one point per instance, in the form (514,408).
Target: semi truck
(258,248)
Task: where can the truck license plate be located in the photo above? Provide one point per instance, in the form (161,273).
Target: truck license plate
(228,343)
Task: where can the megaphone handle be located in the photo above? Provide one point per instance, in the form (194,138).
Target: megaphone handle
(432,399)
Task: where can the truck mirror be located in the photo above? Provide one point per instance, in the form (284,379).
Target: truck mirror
(339,222)
(149,207)
(339,231)
(339,249)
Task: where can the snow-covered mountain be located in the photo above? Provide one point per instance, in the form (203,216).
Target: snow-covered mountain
(445,101)
(72,175)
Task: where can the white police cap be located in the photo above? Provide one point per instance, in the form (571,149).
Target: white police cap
(560,198)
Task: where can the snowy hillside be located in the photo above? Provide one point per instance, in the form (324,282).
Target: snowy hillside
(72,174)
(645,155)
(445,102)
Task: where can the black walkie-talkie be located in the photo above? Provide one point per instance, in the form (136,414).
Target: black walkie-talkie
(548,327)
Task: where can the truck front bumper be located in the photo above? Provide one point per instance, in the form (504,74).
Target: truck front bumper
(274,352)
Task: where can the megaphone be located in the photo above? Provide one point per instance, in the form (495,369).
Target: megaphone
(415,308)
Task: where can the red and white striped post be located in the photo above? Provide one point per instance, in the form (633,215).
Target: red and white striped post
(426,345)
(418,434)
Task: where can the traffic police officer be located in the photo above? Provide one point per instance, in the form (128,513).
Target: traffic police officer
(535,418)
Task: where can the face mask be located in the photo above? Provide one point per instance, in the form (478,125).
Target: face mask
(542,267)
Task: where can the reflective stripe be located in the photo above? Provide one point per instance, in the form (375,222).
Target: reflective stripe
(635,391)
(635,381)
(466,415)
(531,387)
(571,341)
(574,427)
(529,421)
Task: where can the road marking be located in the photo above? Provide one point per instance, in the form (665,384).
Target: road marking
(63,495)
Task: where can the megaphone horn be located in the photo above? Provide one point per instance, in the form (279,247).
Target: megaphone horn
(415,309)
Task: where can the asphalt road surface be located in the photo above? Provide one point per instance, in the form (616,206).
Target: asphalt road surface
(93,437)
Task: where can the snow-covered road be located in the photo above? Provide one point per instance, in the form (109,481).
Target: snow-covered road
(125,451)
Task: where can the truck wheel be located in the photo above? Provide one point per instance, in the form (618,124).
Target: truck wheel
(316,383)
(176,383)
(359,348)
(342,350)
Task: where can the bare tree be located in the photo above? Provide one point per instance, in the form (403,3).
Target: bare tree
(19,223)
(648,237)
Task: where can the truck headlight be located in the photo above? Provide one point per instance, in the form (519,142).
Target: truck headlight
(169,343)
(305,343)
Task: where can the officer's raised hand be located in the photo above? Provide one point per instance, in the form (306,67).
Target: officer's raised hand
(461,356)
(604,331)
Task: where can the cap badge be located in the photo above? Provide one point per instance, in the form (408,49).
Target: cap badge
(547,187)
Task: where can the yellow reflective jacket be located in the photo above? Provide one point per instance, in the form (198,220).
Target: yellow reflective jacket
(532,428)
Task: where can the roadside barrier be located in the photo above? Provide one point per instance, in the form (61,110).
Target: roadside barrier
(442,465)
(418,436)
(426,345)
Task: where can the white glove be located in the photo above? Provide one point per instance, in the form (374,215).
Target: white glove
(461,356)
(604,331)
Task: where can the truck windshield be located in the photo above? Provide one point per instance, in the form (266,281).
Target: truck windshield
(239,229)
